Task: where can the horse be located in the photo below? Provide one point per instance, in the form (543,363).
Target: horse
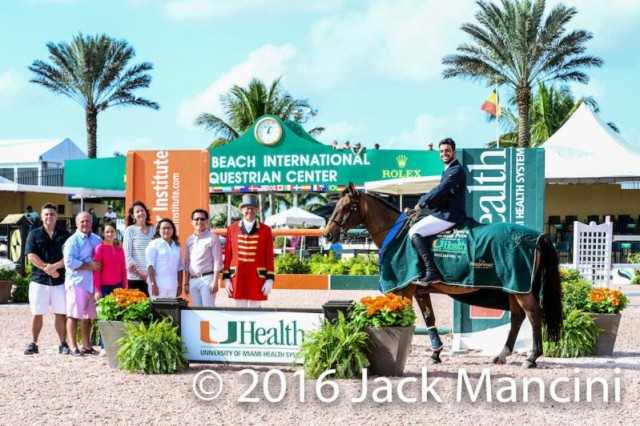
(378,217)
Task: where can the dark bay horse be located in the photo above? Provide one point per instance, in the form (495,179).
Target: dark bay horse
(378,216)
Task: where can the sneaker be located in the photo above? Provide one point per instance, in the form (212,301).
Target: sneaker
(32,348)
(63,349)
(76,352)
(102,352)
(89,351)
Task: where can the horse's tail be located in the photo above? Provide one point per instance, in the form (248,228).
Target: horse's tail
(551,300)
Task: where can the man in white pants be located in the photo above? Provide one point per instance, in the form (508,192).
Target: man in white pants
(203,261)
(447,204)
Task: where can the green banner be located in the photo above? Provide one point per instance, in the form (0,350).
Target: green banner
(503,185)
(96,173)
(293,161)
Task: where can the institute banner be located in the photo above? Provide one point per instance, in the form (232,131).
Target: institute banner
(170,183)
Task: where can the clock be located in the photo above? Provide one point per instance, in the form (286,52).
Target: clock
(268,131)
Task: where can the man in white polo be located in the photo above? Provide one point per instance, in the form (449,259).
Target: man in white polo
(46,289)
(203,261)
(110,214)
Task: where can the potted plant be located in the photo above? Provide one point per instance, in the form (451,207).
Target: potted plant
(389,320)
(121,306)
(605,306)
(153,349)
(7,273)
(338,345)
(591,318)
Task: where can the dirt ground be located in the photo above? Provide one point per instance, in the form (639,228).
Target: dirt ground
(51,389)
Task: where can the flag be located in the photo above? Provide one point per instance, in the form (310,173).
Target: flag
(492,105)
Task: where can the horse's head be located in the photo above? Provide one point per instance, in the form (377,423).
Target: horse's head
(346,215)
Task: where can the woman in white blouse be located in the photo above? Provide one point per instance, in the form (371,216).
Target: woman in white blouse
(164,259)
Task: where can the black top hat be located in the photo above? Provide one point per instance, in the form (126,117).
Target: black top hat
(249,200)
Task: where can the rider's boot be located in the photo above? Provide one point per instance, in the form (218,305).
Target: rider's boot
(424,251)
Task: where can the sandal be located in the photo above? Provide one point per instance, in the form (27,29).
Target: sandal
(91,351)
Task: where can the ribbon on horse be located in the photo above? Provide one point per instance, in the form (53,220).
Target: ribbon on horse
(497,256)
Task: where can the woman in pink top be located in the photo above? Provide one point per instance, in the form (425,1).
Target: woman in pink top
(114,268)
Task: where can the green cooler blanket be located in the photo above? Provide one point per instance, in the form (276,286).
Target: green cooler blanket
(498,256)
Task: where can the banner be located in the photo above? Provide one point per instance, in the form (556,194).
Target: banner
(253,337)
(170,183)
(503,185)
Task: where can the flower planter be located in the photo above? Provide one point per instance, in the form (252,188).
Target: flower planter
(112,332)
(608,324)
(5,291)
(390,349)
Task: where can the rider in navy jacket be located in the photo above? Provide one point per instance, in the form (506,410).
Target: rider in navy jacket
(447,204)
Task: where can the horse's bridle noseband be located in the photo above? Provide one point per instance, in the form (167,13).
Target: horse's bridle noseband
(353,208)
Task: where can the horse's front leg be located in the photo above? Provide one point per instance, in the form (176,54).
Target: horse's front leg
(424,302)
(517,317)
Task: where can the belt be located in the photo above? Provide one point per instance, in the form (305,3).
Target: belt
(204,274)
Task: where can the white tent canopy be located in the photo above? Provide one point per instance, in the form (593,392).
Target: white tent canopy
(295,216)
(403,186)
(586,150)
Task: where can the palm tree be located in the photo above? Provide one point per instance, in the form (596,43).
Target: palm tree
(243,106)
(514,45)
(92,70)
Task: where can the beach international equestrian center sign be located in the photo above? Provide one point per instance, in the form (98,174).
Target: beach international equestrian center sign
(297,162)
(248,336)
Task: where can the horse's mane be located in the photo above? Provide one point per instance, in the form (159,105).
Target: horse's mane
(375,197)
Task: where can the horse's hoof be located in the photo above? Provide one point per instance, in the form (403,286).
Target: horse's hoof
(499,360)
(529,364)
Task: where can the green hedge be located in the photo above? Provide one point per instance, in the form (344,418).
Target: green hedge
(327,264)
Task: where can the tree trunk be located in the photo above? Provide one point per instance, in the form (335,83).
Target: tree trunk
(261,203)
(524,102)
(272,204)
(92,131)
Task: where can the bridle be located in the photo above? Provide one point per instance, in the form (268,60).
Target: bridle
(354,207)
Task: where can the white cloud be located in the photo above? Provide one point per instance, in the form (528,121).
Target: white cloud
(181,10)
(342,131)
(10,86)
(431,128)
(399,40)
(266,63)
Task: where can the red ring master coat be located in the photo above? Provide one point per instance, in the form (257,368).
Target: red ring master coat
(248,260)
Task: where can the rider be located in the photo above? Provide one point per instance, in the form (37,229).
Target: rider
(447,204)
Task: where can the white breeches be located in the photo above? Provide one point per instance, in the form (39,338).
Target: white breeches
(429,226)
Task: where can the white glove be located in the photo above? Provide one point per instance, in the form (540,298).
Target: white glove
(266,287)
(228,286)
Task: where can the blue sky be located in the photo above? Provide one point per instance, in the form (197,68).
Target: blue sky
(371,68)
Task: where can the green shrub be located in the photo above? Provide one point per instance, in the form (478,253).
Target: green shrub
(575,294)
(20,292)
(578,337)
(342,346)
(156,349)
(635,258)
(288,263)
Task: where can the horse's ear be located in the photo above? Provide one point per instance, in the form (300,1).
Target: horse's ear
(352,188)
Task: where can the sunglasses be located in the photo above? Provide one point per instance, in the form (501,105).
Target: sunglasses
(199,219)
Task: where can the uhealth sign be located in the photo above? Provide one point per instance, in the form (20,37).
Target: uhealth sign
(266,336)
(296,162)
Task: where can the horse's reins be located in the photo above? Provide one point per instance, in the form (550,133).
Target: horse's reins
(412,217)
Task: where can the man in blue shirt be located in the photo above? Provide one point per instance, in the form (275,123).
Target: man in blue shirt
(78,260)
(46,290)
